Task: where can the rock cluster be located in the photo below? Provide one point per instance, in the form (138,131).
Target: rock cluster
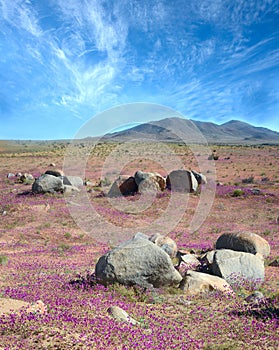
(147,261)
(54,180)
(149,182)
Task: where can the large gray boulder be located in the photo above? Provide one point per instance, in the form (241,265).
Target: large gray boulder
(137,261)
(47,184)
(182,181)
(197,282)
(248,242)
(238,267)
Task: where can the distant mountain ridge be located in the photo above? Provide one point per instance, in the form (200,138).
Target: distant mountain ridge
(180,129)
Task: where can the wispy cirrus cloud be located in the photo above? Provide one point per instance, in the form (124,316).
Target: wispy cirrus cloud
(73,58)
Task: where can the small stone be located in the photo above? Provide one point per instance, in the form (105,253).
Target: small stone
(121,315)
(10,175)
(256,191)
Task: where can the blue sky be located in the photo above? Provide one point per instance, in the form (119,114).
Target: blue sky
(64,61)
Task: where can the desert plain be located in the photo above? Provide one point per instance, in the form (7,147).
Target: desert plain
(46,256)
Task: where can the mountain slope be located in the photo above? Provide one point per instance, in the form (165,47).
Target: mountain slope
(179,129)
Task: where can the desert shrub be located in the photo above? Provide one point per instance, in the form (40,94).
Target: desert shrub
(3,260)
(237,192)
(266,232)
(63,247)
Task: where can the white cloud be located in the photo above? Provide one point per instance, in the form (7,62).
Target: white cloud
(22,15)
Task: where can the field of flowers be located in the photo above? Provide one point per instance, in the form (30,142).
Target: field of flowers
(45,256)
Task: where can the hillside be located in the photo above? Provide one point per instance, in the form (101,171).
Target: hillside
(178,129)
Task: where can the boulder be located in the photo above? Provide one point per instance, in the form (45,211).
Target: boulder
(148,186)
(182,181)
(159,179)
(55,172)
(238,267)
(197,282)
(244,242)
(165,243)
(137,261)
(47,183)
(75,181)
(123,186)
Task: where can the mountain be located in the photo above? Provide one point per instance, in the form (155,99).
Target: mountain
(191,131)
